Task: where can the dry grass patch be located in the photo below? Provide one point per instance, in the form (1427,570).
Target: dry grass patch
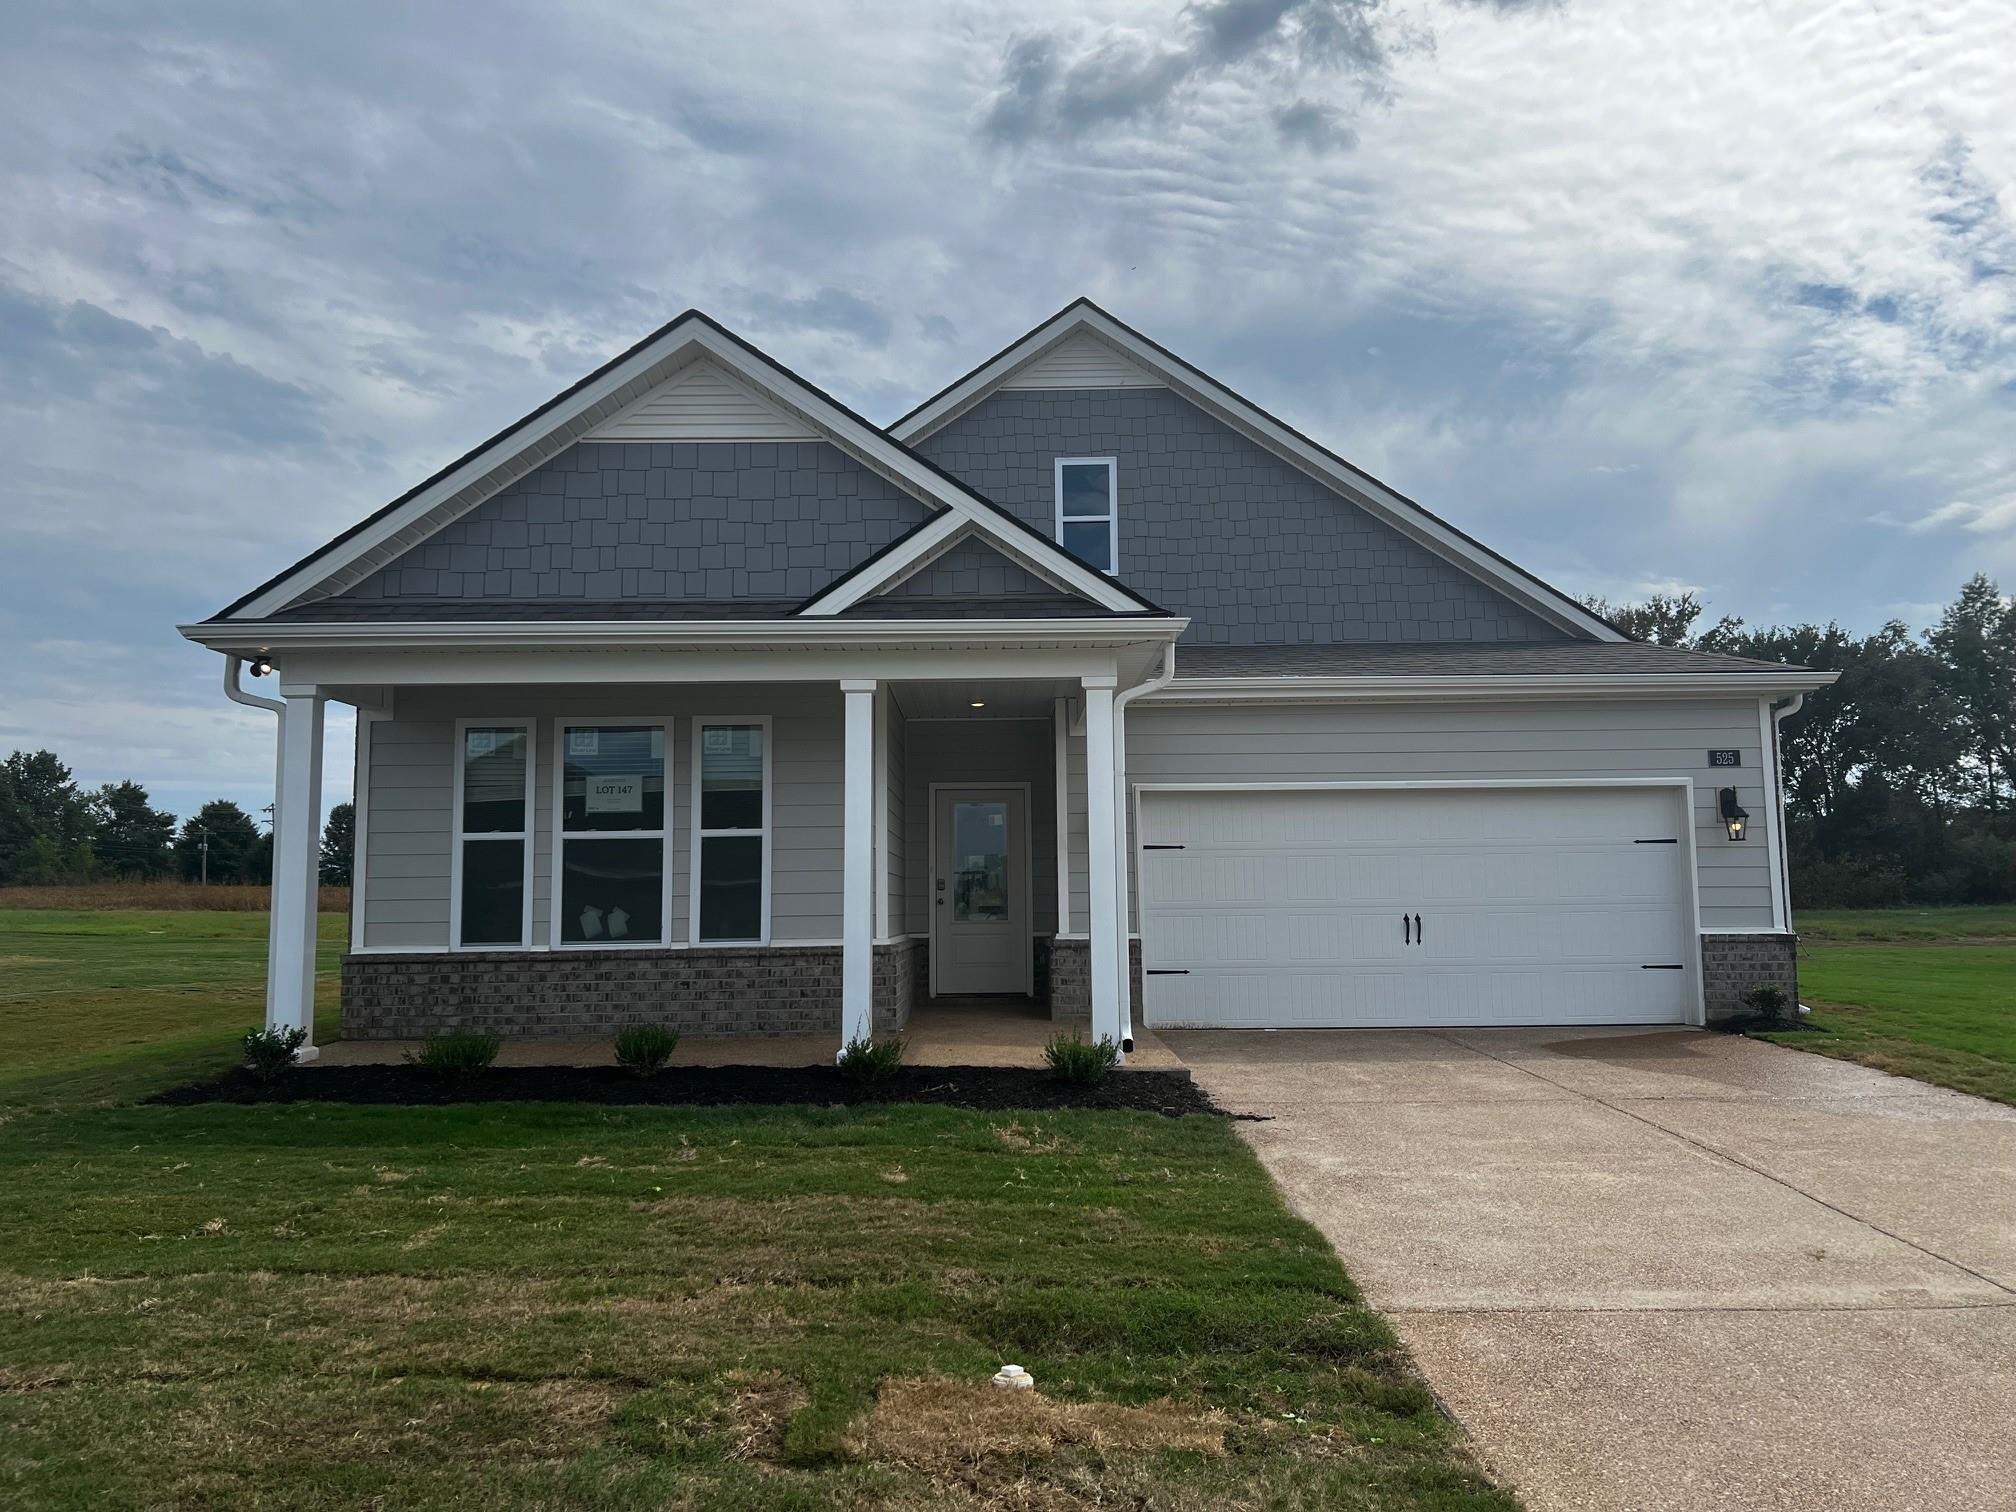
(933,1424)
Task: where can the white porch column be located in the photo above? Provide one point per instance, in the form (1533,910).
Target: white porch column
(297,865)
(857,910)
(1101,844)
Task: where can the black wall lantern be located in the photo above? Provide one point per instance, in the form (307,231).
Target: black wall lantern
(1734,815)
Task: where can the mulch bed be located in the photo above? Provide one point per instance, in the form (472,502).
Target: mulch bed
(986,1088)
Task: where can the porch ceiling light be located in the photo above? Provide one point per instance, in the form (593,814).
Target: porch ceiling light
(1734,816)
(976,703)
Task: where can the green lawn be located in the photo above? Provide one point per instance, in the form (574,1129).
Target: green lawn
(564,1307)
(1928,993)
(114,1003)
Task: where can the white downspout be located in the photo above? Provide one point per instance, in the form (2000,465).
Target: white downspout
(1160,680)
(1779,714)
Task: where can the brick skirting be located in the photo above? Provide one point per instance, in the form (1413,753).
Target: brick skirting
(1071,980)
(712,993)
(1731,964)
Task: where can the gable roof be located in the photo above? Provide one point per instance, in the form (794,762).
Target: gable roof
(1065,331)
(613,390)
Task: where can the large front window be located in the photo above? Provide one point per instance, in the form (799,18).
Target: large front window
(492,799)
(612,834)
(731,830)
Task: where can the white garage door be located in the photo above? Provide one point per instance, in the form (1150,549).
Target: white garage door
(1366,908)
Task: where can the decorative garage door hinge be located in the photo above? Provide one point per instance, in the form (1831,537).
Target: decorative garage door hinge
(1161,847)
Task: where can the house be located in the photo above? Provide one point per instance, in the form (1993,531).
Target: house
(694,696)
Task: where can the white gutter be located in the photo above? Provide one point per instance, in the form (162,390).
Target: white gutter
(1779,714)
(1154,684)
(1229,690)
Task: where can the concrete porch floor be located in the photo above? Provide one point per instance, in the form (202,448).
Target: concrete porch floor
(976,1032)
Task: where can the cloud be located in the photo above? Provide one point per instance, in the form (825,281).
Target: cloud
(1051,87)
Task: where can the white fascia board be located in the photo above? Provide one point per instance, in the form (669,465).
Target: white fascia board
(1236,690)
(1409,518)
(691,337)
(907,556)
(823,633)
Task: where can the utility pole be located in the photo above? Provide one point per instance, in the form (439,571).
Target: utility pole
(203,850)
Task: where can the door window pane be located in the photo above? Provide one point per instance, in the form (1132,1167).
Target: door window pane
(493,781)
(979,861)
(612,891)
(731,887)
(731,777)
(1091,541)
(493,892)
(614,778)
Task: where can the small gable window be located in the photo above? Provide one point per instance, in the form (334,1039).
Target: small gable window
(1088,513)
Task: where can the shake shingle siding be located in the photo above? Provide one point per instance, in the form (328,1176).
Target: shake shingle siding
(665,521)
(972,569)
(1215,527)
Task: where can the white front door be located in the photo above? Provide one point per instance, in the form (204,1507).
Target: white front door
(1422,907)
(980,891)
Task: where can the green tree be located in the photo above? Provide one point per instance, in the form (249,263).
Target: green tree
(1665,619)
(339,841)
(39,801)
(233,841)
(1975,641)
(133,838)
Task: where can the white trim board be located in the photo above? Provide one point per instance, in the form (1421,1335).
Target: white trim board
(1332,471)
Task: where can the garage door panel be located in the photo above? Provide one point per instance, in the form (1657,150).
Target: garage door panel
(1284,908)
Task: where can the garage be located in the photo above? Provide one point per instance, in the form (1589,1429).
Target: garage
(1328,906)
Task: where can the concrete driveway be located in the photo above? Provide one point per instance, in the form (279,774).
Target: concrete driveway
(1664,1269)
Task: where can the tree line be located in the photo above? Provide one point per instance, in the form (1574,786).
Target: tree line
(55,833)
(1900,779)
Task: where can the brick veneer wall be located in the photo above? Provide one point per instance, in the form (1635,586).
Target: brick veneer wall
(1731,964)
(587,994)
(1071,980)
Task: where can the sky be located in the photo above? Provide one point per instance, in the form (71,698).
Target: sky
(1709,294)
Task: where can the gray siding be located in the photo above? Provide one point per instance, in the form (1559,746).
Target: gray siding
(1217,528)
(411,796)
(981,751)
(972,569)
(1425,742)
(706,521)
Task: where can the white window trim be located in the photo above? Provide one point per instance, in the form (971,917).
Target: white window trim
(662,835)
(525,836)
(701,722)
(1112,515)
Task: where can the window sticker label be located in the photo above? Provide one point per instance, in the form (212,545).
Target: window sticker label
(584,742)
(615,795)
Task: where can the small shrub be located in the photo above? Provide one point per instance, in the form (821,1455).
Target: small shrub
(871,1060)
(644,1048)
(458,1054)
(1074,1059)
(270,1052)
(1768,1005)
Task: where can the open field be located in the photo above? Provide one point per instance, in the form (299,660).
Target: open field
(1929,993)
(538,1305)
(160,895)
(115,1003)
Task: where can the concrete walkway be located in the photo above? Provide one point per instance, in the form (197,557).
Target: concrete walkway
(1653,1270)
(970,1032)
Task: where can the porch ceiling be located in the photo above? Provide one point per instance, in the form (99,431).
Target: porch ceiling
(1031,699)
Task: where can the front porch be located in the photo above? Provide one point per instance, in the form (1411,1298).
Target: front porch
(980,1032)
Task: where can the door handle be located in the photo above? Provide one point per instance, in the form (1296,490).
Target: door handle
(1406,930)
(1418,936)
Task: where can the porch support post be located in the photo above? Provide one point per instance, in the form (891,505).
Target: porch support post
(1101,844)
(857,910)
(297,858)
